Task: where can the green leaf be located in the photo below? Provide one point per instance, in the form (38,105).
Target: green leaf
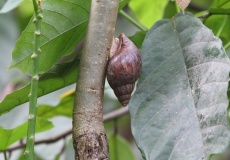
(170,10)
(10,5)
(178,111)
(138,38)
(220,10)
(64,108)
(148,11)
(119,149)
(59,76)
(220,25)
(221,4)
(9,136)
(63,26)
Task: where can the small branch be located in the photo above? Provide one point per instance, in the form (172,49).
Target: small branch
(107,117)
(133,21)
(29,151)
(115,114)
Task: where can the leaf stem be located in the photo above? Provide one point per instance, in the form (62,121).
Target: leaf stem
(5,157)
(29,151)
(133,21)
(203,14)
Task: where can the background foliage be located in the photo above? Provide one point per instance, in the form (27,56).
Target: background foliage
(63,30)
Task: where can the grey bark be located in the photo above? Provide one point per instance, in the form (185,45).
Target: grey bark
(89,138)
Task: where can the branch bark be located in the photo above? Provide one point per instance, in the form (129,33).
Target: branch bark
(89,138)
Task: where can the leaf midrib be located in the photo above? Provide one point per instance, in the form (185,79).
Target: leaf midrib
(190,89)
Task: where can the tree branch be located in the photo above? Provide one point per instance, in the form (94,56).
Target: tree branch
(89,138)
(107,117)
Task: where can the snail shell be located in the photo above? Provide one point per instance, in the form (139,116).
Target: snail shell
(123,68)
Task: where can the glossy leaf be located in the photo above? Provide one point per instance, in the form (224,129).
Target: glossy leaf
(144,9)
(178,111)
(10,5)
(119,149)
(63,26)
(10,136)
(59,76)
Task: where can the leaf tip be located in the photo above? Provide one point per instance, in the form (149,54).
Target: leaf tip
(183,4)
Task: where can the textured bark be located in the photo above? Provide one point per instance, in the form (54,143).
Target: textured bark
(89,138)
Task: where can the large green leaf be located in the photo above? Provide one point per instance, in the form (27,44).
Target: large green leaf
(148,11)
(59,76)
(178,111)
(119,149)
(9,136)
(63,26)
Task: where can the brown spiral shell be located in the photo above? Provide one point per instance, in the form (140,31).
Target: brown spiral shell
(123,68)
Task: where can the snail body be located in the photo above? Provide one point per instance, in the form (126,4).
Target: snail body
(123,68)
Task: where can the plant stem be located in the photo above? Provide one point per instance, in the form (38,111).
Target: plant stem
(29,151)
(202,14)
(89,138)
(133,21)
(5,157)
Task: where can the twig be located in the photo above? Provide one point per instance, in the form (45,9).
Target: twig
(107,117)
(29,151)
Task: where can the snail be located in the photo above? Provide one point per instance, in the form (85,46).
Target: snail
(123,68)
